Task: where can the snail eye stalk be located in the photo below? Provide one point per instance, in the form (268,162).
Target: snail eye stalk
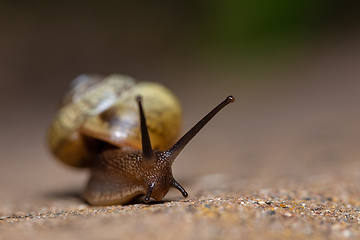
(147,150)
(182,142)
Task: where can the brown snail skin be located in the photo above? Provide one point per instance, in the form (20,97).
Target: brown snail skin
(122,171)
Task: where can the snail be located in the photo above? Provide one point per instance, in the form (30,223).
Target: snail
(125,132)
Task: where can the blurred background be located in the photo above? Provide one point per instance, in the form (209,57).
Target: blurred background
(293,67)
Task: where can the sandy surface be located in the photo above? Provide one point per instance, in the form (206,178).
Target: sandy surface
(282,162)
(321,207)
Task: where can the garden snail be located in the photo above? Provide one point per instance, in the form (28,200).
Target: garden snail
(98,126)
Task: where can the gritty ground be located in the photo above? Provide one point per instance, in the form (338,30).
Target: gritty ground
(282,162)
(320,208)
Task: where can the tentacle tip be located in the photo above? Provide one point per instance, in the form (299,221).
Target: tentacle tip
(148,194)
(230,99)
(138,98)
(180,188)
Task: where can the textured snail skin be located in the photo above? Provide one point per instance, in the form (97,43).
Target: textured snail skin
(129,172)
(98,126)
(98,108)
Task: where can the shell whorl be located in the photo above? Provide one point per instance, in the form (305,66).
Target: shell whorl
(104,109)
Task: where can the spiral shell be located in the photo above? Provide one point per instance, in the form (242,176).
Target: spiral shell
(97,110)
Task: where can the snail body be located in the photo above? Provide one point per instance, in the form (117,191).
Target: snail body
(98,126)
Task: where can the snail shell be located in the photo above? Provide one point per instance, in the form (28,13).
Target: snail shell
(98,126)
(102,109)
